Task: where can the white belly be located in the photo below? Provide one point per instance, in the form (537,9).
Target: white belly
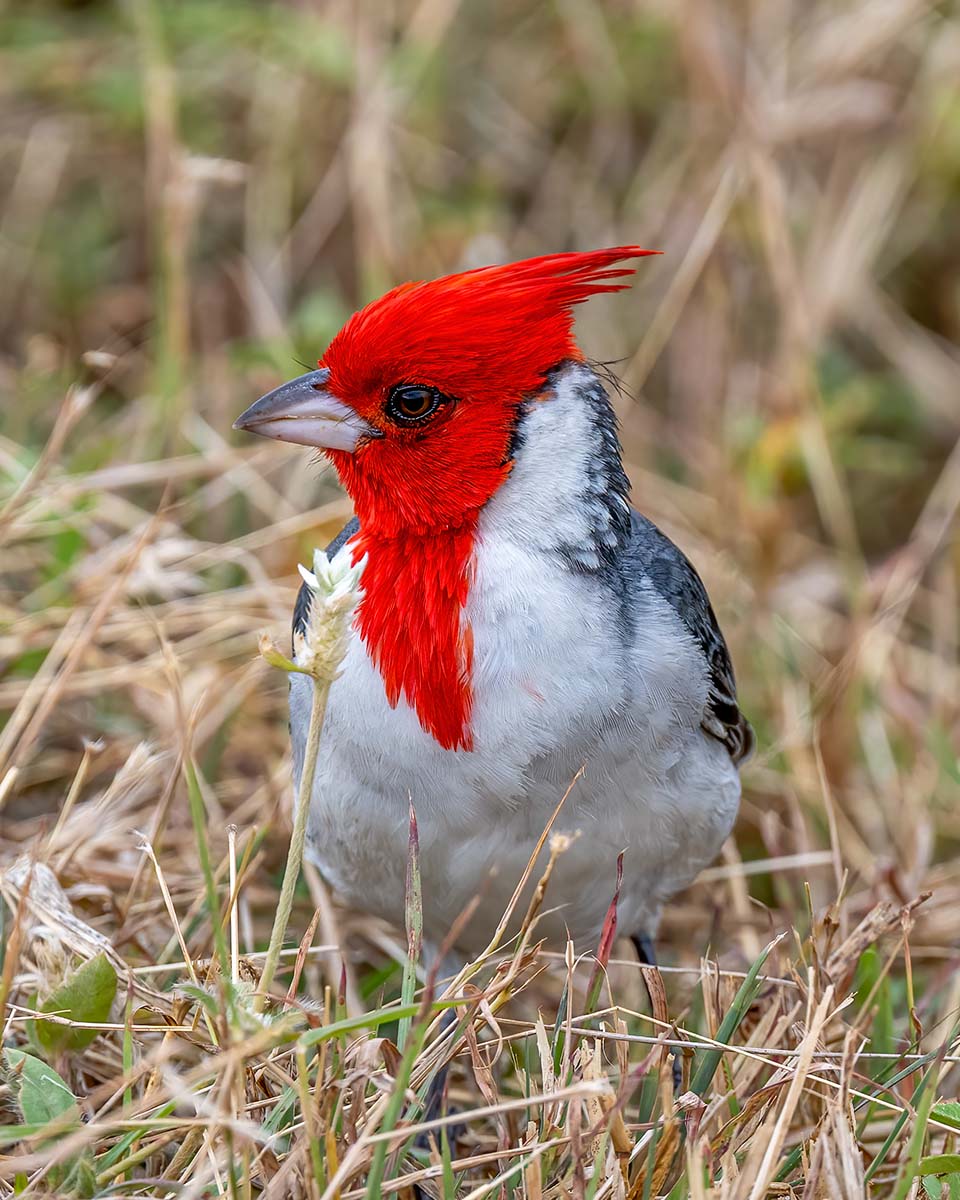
(553,689)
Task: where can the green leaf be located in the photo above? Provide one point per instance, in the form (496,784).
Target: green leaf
(202,996)
(120,1148)
(940,1164)
(948,1112)
(81,1179)
(710,1059)
(67,546)
(449,1179)
(873,987)
(85,996)
(923,1098)
(11,1134)
(41,1094)
(371,1020)
(282,1114)
(942,1187)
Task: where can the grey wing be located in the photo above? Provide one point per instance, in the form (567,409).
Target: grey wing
(672,576)
(302,606)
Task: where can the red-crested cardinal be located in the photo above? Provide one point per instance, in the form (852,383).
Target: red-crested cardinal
(518,620)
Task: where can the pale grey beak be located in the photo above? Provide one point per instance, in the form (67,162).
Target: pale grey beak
(302,411)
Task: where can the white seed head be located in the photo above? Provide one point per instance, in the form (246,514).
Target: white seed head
(335,585)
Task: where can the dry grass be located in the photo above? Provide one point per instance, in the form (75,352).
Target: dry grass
(191,197)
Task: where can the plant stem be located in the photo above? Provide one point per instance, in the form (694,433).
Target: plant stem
(413,911)
(318,708)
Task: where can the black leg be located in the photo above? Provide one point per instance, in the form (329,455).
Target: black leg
(433,1101)
(643,944)
(433,1107)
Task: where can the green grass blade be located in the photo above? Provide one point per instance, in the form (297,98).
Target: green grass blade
(710,1059)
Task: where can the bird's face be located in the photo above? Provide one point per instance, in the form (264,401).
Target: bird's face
(413,450)
(417,398)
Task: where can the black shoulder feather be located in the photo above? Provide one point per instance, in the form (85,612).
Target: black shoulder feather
(673,577)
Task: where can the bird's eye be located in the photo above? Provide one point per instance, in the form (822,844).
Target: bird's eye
(412,402)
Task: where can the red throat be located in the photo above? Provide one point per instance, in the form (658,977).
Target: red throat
(418,511)
(411,619)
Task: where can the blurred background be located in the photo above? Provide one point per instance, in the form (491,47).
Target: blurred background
(194,195)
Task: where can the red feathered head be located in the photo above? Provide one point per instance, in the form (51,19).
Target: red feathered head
(438,370)
(415,403)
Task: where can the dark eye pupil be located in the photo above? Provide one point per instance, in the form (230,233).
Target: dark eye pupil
(414,401)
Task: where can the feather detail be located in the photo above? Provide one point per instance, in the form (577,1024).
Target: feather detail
(411,620)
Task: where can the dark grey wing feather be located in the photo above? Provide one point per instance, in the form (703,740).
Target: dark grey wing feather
(672,576)
(302,606)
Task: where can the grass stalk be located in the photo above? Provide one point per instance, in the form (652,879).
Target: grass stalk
(395,1105)
(198,813)
(291,872)
(707,1067)
(414,924)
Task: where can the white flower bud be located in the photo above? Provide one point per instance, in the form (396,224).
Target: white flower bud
(335,583)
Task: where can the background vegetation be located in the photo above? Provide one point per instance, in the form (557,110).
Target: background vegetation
(193,195)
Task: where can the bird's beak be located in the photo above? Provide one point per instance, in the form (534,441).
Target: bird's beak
(303,411)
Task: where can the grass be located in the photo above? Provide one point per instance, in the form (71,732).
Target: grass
(192,198)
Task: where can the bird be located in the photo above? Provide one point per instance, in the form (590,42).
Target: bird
(521,625)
